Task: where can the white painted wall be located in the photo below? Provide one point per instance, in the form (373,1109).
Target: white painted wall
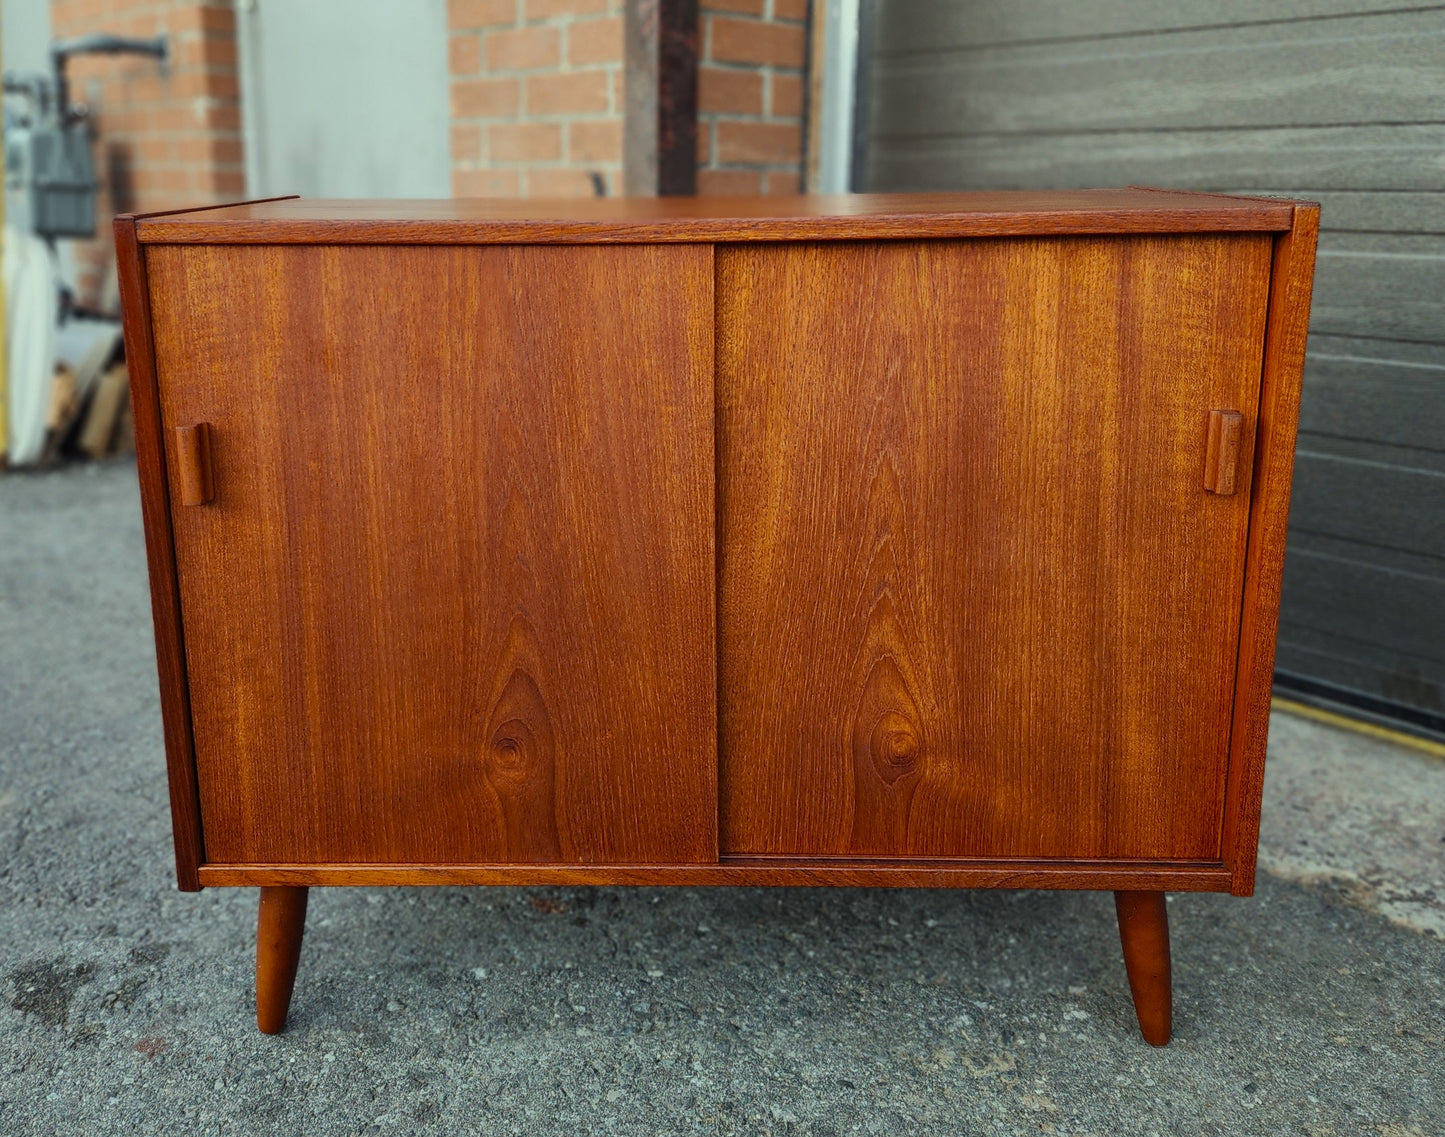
(25,35)
(345,98)
(25,47)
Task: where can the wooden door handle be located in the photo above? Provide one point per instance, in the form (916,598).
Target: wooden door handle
(1221,458)
(193,462)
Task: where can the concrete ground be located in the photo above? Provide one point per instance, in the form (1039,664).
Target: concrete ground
(1317,1007)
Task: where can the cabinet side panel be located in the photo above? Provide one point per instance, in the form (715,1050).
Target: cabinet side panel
(1291,285)
(975,599)
(160,556)
(453,598)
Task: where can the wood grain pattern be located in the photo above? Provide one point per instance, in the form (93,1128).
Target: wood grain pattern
(196,486)
(1144,936)
(1291,282)
(1221,457)
(454,598)
(691,219)
(280,927)
(160,556)
(751,872)
(973,598)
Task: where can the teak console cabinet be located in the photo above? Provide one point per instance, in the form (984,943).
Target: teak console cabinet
(902,540)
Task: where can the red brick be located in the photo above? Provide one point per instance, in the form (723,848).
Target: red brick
(560,183)
(787,96)
(480,13)
(790,9)
(595,41)
(750,7)
(724,91)
(171,180)
(173,116)
(466,143)
(704,143)
(753,41)
(484,183)
(758,142)
(523,49)
(154,149)
(150,89)
(543,9)
(525,142)
(723,182)
(145,184)
(136,24)
(485,98)
(202,51)
(185,149)
(113,122)
(592,142)
(223,86)
(182,18)
(190,149)
(464,54)
(219,116)
(223,183)
(571,92)
(228,150)
(783,181)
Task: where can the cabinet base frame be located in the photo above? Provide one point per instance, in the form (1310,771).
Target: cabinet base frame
(738,871)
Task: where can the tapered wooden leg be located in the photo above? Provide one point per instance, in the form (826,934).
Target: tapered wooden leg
(280,924)
(1144,932)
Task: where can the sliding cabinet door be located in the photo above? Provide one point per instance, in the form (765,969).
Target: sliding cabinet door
(453,599)
(975,598)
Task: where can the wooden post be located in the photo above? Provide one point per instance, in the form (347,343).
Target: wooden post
(659,148)
(1144,934)
(280,923)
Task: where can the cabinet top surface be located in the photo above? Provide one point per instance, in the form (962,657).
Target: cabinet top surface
(705,219)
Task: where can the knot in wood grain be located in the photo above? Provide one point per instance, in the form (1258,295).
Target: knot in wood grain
(512,744)
(887,727)
(894,746)
(519,745)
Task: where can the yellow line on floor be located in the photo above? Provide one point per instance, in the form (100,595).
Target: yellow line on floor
(1344,722)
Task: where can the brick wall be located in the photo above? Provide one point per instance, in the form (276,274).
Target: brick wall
(536,97)
(166,138)
(537,102)
(752,59)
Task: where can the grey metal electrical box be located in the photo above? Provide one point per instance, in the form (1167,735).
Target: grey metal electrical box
(53,167)
(49,165)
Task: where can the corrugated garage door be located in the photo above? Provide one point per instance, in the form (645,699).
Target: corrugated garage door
(1343,102)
